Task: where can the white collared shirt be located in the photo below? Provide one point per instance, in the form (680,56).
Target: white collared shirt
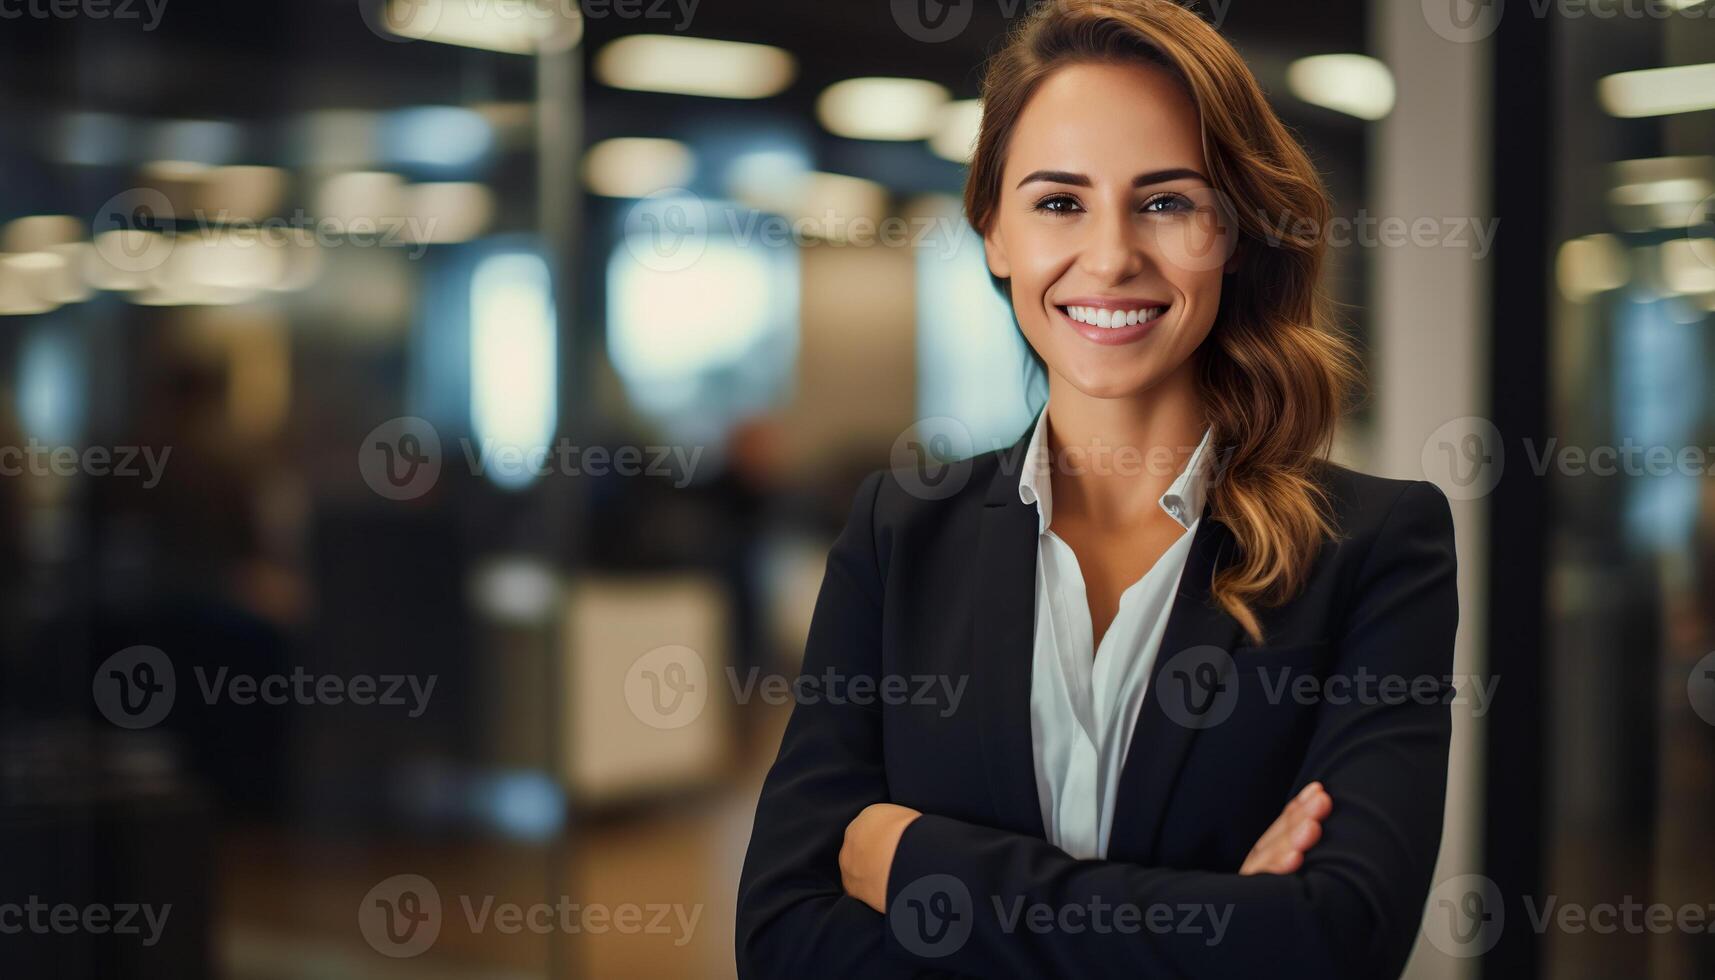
(1083,702)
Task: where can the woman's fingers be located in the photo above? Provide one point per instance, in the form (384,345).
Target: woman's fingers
(1281,848)
(1290,817)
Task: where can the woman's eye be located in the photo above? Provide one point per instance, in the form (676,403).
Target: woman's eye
(1057,204)
(1168,204)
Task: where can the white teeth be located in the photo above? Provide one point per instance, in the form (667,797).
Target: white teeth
(1113,319)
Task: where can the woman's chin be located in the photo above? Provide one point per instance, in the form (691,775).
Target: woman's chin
(1109,380)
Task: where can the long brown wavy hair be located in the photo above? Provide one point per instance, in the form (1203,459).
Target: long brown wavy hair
(1275,373)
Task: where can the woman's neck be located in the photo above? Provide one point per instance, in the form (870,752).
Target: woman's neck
(1113,458)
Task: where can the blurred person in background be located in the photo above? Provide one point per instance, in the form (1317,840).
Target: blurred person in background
(1127,631)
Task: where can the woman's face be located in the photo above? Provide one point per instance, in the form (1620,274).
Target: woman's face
(1108,228)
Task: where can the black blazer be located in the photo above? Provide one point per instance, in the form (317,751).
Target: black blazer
(945,588)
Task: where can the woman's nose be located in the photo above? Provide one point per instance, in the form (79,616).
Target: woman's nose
(1114,250)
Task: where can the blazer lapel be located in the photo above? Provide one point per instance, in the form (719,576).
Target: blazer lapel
(1003,640)
(1004,637)
(1165,730)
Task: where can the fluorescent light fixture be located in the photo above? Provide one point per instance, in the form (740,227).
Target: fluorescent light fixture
(1683,270)
(695,66)
(514,369)
(442,213)
(881,108)
(632,166)
(1674,190)
(956,132)
(1658,91)
(1354,84)
(1590,265)
(833,205)
(519,27)
(40,231)
(668,329)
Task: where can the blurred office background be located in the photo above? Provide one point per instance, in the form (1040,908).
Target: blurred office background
(282,283)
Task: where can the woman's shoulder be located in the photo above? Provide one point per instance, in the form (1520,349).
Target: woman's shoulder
(932,495)
(1364,505)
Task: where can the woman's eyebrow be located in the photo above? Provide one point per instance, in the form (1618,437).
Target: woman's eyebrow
(1141,180)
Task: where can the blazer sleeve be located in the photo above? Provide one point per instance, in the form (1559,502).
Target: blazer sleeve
(794,918)
(1353,908)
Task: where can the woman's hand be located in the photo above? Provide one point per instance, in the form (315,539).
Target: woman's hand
(867,854)
(1281,848)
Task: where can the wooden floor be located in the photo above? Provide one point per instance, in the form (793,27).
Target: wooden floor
(288,901)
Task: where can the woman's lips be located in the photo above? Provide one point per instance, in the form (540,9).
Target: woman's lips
(1111,335)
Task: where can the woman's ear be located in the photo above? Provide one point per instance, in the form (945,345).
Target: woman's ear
(995,253)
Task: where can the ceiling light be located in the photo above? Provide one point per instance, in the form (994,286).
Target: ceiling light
(882,108)
(1354,84)
(695,66)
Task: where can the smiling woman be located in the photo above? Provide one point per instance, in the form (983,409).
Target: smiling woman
(1115,584)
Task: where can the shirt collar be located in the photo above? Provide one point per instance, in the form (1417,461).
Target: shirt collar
(1183,500)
